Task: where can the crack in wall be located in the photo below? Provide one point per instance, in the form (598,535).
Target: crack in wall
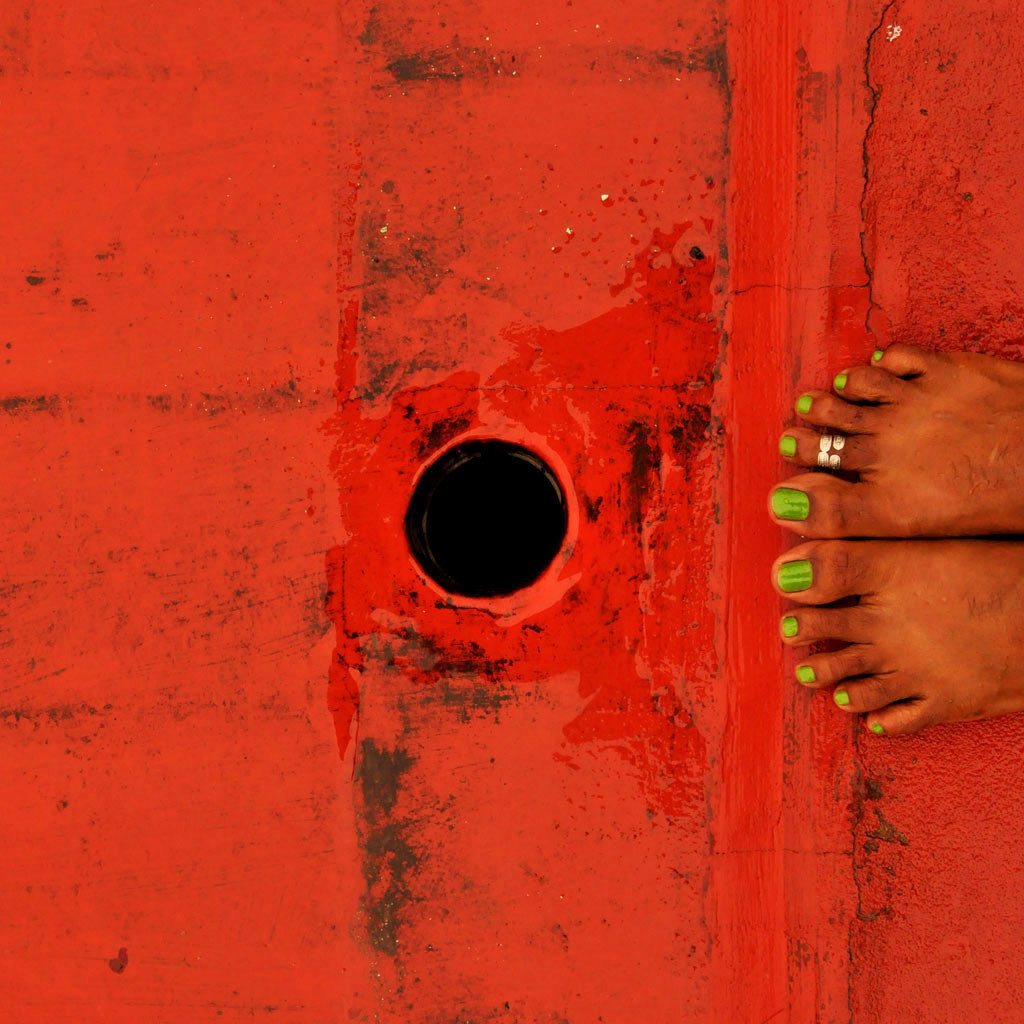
(868,271)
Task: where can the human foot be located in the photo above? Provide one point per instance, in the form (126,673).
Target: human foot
(937,440)
(937,634)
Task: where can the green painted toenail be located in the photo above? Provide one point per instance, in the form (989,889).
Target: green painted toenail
(876,728)
(787,445)
(840,381)
(805,674)
(841,697)
(803,404)
(876,357)
(795,576)
(788,503)
(790,626)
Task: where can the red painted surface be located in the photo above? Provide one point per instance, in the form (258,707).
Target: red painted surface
(256,765)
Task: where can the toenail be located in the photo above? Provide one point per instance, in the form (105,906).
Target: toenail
(841,697)
(788,503)
(805,674)
(790,626)
(803,404)
(795,576)
(876,357)
(876,728)
(840,381)
(787,445)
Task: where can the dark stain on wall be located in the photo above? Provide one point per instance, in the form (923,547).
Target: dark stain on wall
(441,432)
(17,404)
(645,464)
(690,435)
(388,856)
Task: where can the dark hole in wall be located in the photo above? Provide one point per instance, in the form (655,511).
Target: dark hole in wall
(486,518)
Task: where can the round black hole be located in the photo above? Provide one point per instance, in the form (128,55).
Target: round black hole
(486,518)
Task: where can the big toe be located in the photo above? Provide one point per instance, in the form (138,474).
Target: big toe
(823,571)
(821,505)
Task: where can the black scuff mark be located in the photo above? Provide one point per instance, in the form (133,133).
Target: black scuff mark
(441,432)
(645,466)
(389,857)
(15,405)
(474,700)
(451,63)
(691,435)
(373,28)
(592,508)
(460,676)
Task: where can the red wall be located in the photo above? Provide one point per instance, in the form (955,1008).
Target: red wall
(255,764)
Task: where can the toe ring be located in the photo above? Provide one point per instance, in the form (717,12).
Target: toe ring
(829,445)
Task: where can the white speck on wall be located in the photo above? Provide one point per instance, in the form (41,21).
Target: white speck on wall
(384,230)
(892,32)
(604,197)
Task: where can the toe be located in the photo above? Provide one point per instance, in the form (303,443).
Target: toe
(823,505)
(834,666)
(907,360)
(820,572)
(869,384)
(835,413)
(870,693)
(801,446)
(902,718)
(810,625)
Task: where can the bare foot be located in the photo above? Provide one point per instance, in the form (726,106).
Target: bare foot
(937,634)
(937,440)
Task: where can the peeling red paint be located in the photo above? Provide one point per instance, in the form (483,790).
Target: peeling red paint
(571,304)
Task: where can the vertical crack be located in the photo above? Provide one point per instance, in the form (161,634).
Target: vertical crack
(872,305)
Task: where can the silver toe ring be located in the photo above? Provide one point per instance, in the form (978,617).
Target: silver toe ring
(829,447)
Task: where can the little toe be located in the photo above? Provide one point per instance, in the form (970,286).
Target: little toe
(835,413)
(870,693)
(907,360)
(821,572)
(802,446)
(902,718)
(833,667)
(869,384)
(811,625)
(823,505)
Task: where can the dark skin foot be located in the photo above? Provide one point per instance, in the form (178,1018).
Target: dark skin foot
(936,439)
(937,634)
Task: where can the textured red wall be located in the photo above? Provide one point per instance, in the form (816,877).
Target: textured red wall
(263,262)
(941,909)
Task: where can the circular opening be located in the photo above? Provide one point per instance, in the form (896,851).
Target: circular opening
(486,518)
